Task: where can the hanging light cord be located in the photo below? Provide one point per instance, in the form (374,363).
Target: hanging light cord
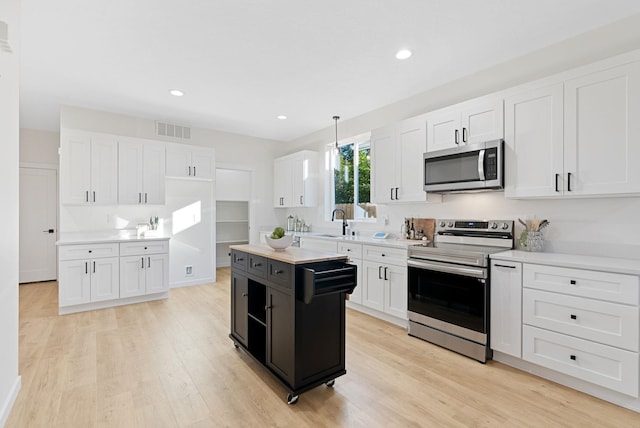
(336,118)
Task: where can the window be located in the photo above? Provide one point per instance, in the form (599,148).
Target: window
(351,178)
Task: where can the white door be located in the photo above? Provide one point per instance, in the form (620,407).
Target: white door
(412,143)
(482,122)
(157,273)
(75,177)
(383,165)
(130,173)
(105,279)
(373,285)
(132,276)
(75,283)
(203,163)
(506,295)
(178,161)
(38,224)
(443,130)
(153,172)
(601,132)
(395,290)
(104,171)
(282,186)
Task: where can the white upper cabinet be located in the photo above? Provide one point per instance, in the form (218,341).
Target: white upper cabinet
(185,161)
(397,156)
(88,169)
(575,138)
(141,172)
(534,142)
(473,121)
(295,180)
(602,132)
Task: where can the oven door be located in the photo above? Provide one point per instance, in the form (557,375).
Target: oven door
(453,294)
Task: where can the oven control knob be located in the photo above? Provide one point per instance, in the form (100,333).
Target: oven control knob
(494,225)
(450,224)
(505,226)
(442,224)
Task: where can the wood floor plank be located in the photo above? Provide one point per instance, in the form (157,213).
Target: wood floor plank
(170,363)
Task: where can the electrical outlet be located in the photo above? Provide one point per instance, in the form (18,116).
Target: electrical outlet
(188,270)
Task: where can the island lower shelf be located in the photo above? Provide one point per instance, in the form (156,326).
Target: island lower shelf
(290,317)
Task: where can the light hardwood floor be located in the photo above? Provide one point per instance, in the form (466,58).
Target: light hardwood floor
(171,364)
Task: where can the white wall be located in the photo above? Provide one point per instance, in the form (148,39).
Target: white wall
(39,147)
(588,226)
(9,130)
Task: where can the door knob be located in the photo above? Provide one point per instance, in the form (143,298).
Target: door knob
(49,231)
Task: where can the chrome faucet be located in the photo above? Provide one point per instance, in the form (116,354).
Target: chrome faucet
(344,219)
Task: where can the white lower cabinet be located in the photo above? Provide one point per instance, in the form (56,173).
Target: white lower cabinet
(581,323)
(146,272)
(98,275)
(384,280)
(87,273)
(506,310)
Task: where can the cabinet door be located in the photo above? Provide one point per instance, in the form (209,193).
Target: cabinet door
(75,169)
(132,276)
(280,321)
(506,307)
(373,285)
(299,174)
(203,163)
(282,184)
(412,143)
(356,296)
(153,173)
(74,283)
(157,273)
(105,280)
(395,291)
(383,165)
(534,143)
(602,129)
(482,121)
(240,308)
(443,130)
(104,171)
(178,161)
(130,155)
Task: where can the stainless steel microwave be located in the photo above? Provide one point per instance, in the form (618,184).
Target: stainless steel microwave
(470,167)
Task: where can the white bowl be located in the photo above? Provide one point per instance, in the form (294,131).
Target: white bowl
(279,244)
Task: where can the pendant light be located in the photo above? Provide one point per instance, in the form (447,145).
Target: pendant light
(336,118)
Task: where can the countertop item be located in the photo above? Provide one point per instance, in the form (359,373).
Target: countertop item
(291,255)
(604,264)
(70,238)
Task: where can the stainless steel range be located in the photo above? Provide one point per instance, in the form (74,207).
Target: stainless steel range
(449,285)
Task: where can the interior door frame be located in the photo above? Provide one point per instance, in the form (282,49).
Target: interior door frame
(56,168)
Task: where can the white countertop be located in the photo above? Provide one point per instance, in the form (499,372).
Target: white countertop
(291,255)
(360,239)
(70,238)
(604,264)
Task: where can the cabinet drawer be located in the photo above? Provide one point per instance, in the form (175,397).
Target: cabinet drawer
(608,323)
(84,251)
(351,249)
(584,283)
(144,247)
(603,365)
(374,253)
(239,260)
(257,265)
(280,273)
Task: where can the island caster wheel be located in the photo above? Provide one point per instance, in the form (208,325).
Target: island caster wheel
(236,345)
(331,383)
(292,399)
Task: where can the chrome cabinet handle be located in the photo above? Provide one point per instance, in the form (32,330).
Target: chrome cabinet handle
(568,181)
(194,171)
(557,176)
(142,262)
(145,197)
(391,189)
(385,273)
(94,267)
(139,197)
(464,135)
(86,268)
(189,170)
(457,136)
(379,272)
(94,196)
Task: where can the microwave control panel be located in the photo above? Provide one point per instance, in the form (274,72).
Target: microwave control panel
(491,164)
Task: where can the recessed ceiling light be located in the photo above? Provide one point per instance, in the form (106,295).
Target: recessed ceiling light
(403,54)
(282,117)
(176,92)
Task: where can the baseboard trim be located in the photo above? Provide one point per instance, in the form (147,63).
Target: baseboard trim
(10,401)
(189,283)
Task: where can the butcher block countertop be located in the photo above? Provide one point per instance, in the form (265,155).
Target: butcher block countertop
(292,255)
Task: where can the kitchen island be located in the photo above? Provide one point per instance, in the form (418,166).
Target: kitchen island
(288,312)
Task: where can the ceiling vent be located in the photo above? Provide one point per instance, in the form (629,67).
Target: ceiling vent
(4,37)
(174,131)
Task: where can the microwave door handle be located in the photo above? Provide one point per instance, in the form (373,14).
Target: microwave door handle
(481,165)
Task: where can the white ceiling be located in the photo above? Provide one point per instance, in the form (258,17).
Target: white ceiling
(243,62)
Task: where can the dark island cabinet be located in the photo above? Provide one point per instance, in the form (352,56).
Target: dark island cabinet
(291,316)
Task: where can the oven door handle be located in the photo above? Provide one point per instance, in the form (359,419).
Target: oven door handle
(448,268)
